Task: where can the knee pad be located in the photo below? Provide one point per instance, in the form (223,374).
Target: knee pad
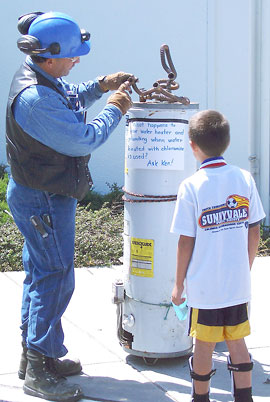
(198,377)
(239,368)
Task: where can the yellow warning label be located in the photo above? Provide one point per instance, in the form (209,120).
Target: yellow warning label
(142,257)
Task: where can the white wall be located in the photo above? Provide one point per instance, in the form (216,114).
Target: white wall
(220,49)
(238,81)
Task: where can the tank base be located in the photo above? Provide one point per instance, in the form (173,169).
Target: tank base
(153,355)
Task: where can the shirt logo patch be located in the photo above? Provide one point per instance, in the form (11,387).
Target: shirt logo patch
(234,210)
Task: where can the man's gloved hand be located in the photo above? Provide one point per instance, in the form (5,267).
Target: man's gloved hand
(113,81)
(121,98)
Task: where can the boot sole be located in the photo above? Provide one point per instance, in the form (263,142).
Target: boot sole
(32,392)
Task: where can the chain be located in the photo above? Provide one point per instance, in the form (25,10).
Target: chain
(162,88)
(167,305)
(148,198)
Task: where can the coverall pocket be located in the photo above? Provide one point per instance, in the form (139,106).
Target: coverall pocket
(47,249)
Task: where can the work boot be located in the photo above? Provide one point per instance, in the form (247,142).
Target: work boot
(63,368)
(23,362)
(42,383)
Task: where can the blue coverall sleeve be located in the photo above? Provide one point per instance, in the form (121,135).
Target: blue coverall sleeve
(88,92)
(43,114)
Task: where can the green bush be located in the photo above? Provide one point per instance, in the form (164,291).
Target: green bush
(98,240)
(96,200)
(11,243)
(4,216)
(2,170)
(264,246)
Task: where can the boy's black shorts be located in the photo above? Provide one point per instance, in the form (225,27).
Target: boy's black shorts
(217,325)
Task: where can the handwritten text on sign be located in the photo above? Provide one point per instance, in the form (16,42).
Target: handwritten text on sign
(154,144)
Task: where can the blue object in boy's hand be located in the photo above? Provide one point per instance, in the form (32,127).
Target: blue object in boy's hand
(181,310)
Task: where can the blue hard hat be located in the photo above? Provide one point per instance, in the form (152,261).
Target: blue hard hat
(55,28)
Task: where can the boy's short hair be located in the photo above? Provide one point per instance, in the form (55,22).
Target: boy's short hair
(210,130)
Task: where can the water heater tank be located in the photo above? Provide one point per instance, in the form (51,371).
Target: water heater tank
(157,158)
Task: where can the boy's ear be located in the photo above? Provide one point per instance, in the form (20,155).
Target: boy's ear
(193,145)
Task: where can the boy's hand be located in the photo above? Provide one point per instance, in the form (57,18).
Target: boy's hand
(177,298)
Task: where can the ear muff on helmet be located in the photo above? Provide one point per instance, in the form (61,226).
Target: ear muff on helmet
(24,21)
(85,36)
(30,45)
(52,35)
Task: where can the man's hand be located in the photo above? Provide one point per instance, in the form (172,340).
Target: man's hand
(113,81)
(177,298)
(121,98)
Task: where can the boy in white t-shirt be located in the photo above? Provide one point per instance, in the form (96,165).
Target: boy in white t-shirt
(217,216)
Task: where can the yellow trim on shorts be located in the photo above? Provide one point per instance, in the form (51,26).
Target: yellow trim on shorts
(216,334)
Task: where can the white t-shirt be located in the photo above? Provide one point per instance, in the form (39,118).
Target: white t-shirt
(216,206)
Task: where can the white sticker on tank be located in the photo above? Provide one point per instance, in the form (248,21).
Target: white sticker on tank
(156,144)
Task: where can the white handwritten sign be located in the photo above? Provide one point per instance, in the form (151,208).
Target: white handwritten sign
(156,144)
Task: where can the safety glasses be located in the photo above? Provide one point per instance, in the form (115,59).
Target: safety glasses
(73,59)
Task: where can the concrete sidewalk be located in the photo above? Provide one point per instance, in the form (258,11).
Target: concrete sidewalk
(109,374)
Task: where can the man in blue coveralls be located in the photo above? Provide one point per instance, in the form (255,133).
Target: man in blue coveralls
(48,150)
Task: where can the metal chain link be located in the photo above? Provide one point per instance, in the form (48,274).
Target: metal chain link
(166,305)
(161,90)
(150,198)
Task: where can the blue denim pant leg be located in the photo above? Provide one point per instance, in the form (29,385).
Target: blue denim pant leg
(48,264)
(28,266)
